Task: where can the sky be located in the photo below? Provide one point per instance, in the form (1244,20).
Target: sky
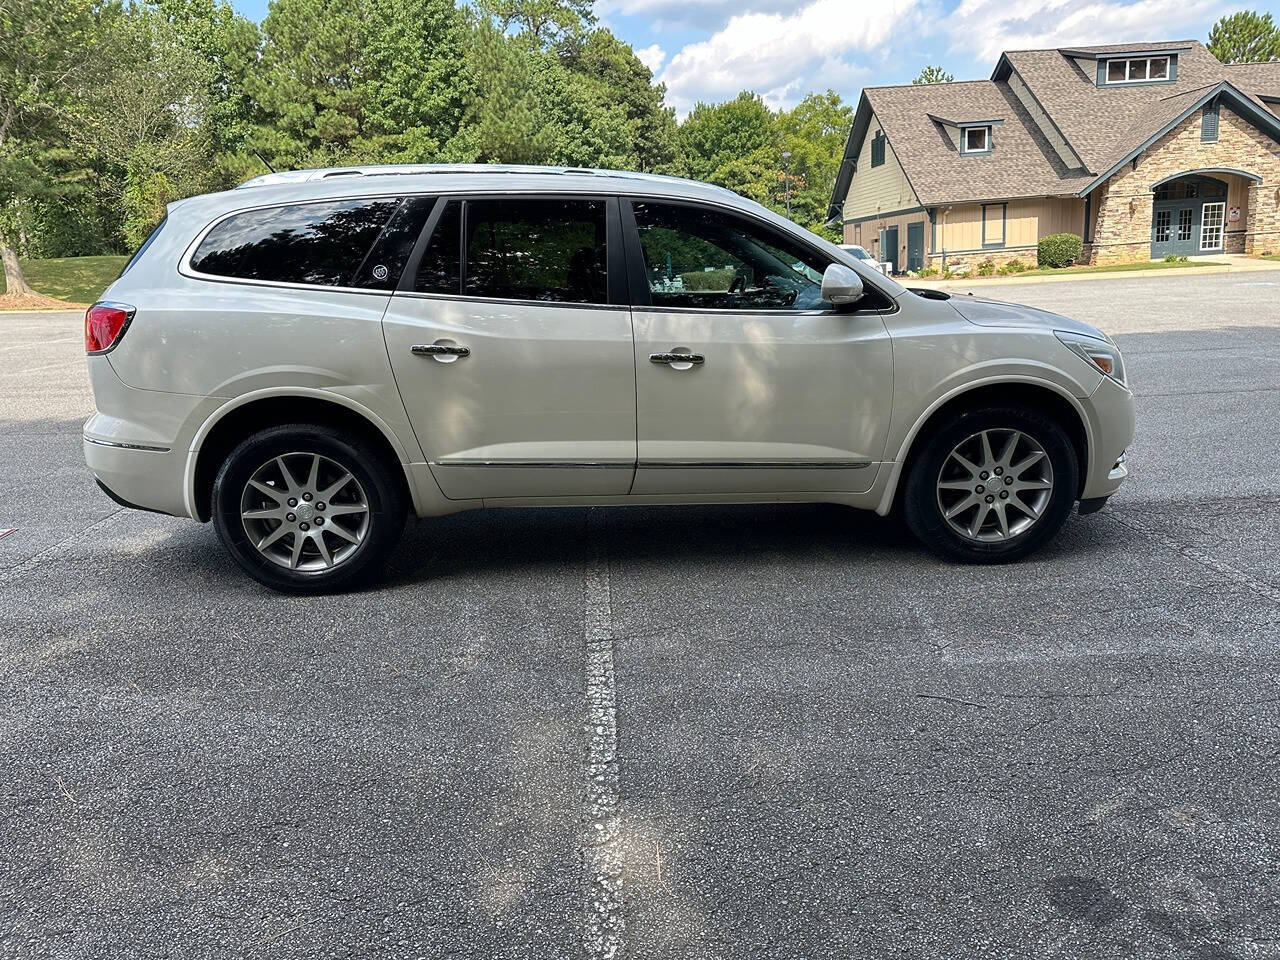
(784,49)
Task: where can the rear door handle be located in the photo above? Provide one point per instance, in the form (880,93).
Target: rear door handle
(447,352)
(693,358)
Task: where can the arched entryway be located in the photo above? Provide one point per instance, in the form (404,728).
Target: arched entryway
(1189,214)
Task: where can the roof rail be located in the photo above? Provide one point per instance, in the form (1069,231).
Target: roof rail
(420,169)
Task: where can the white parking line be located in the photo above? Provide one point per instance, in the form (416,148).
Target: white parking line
(603,923)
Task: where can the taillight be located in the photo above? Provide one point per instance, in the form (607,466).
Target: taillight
(104,325)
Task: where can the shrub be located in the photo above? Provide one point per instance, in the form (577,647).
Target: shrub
(1058,250)
(1171,258)
(929,272)
(1013,266)
(703,280)
(987,267)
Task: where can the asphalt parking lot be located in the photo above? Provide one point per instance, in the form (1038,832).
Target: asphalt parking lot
(828,743)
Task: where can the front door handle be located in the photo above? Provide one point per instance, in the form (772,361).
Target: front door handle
(677,358)
(444,352)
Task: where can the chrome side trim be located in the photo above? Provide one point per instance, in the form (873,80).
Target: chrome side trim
(540,464)
(754,464)
(125,446)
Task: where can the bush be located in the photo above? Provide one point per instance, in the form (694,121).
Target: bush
(704,280)
(929,272)
(1058,250)
(1013,266)
(987,267)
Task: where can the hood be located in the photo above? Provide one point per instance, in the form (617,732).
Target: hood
(993,313)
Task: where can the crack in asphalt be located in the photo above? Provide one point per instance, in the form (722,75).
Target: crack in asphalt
(603,921)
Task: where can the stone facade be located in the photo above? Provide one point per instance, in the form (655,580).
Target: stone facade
(999,257)
(1122,206)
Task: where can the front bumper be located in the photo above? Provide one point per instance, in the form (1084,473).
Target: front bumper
(1110,411)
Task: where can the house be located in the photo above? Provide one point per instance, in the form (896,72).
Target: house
(1143,150)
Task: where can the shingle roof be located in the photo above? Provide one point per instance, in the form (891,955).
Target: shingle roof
(1021,165)
(1089,116)
(1260,79)
(1102,125)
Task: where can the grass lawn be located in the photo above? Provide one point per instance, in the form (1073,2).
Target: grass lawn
(74,279)
(1114,268)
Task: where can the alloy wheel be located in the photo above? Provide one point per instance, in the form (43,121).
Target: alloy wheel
(994,485)
(304,511)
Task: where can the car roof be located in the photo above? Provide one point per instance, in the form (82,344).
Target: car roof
(401,179)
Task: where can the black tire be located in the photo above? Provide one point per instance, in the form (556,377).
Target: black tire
(924,512)
(383,493)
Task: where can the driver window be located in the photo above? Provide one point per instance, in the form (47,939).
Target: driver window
(701,257)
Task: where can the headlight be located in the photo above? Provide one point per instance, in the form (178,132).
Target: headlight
(1102,354)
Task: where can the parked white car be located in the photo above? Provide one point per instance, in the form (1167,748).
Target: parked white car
(307,358)
(861,253)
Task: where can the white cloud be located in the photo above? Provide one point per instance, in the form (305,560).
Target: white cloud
(652,56)
(784,56)
(696,14)
(985,28)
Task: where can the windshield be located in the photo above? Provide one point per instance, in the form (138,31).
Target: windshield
(859,252)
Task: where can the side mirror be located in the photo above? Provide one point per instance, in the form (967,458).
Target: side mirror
(841,285)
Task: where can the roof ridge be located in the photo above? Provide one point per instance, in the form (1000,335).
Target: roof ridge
(911,86)
(1254,63)
(1100,46)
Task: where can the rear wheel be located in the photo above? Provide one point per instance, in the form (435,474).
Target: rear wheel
(992,485)
(307,509)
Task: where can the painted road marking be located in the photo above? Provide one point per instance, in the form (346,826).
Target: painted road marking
(5,532)
(603,924)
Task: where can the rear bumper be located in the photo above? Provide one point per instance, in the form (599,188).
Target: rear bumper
(138,476)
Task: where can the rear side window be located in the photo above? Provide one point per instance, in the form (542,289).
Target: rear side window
(326,244)
(546,250)
(137,254)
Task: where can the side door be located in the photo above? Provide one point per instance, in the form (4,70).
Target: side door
(510,339)
(915,245)
(781,393)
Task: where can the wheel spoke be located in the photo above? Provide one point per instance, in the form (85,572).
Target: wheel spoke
(317,537)
(988,458)
(965,462)
(338,530)
(298,541)
(1032,458)
(962,506)
(1030,510)
(1002,518)
(288,477)
(1021,485)
(277,495)
(329,491)
(314,475)
(1010,448)
(273,536)
(979,518)
(266,513)
(956,485)
(343,509)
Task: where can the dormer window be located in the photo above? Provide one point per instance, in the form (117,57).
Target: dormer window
(975,139)
(1138,70)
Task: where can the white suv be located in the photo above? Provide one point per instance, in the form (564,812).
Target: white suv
(308,357)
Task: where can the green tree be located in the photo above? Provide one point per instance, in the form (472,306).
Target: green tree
(719,136)
(228,45)
(44,48)
(932,74)
(147,119)
(342,81)
(1245,37)
(543,21)
(624,82)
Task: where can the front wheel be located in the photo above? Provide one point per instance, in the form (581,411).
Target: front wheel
(992,485)
(307,509)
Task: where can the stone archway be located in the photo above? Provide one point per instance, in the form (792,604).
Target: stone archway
(1191,214)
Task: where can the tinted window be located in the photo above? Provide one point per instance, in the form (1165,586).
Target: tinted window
(700,257)
(440,270)
(550,250)
(382,266)
(314,243)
